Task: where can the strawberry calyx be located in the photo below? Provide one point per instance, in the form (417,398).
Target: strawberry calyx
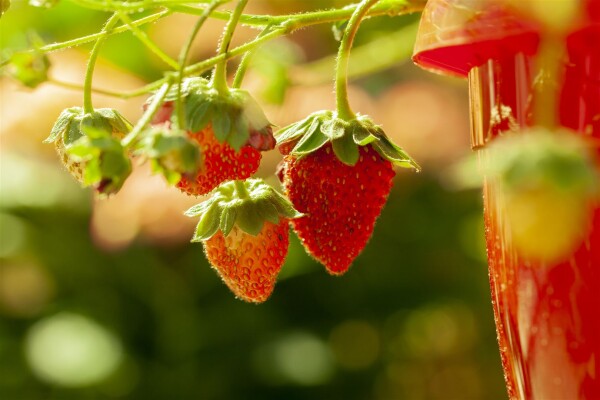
(245,204)
(234,115)
(93,141)
(346,136)
(171,153)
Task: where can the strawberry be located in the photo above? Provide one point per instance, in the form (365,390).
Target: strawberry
(230,129)
(338,174)
(220,163)
(244,229)
(249,264)
(88,144)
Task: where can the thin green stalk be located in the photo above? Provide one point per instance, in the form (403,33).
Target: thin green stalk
(240,189)
(286,23)
(142,37)
(157,101)
(341,77)
(183,56)
(209,63)
(219,78)
(89,73)
(79,87)
(95,36)
(243,67)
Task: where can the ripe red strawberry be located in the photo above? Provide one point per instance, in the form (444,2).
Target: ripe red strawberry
(220,163)
(338,174)
(249,264)
(244,229)
(340,202)
(230,130)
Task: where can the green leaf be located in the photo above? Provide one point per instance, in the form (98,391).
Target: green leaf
(208,224)
(221,123)
(346,150)
(228,217)
(310,142)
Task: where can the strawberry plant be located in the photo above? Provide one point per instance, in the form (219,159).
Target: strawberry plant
(207,138)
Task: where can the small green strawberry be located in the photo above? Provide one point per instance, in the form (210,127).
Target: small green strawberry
(245,232)
(89,146)
(337,173)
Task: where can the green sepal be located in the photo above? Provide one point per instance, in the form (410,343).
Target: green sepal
(73,123)
(249,219)
(393,153)
(105,161)
(171,153)
(346,150)
(208,224)
(234,115)
(63,123)
(248,210)
(198,115)
(227,220)
(346,137)
(221,123)
(310,142)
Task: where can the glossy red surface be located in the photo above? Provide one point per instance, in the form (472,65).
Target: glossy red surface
(547,315)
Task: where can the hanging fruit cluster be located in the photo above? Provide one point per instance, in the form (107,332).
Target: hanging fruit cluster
(206,138)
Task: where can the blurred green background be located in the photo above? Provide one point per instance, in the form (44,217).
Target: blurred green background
(105,299)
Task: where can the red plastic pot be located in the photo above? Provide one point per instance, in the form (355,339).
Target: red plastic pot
(547,313)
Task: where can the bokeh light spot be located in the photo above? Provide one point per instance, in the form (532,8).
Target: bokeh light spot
(71,350)
(355,344)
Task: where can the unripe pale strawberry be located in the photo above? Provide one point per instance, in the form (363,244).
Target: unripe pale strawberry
(244,228)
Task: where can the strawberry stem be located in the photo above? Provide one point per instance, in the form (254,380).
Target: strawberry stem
(179,115)
(157,101)
(341,78)
(240,189)
(89,73)
(241,70)
(219,78)
(143,37)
